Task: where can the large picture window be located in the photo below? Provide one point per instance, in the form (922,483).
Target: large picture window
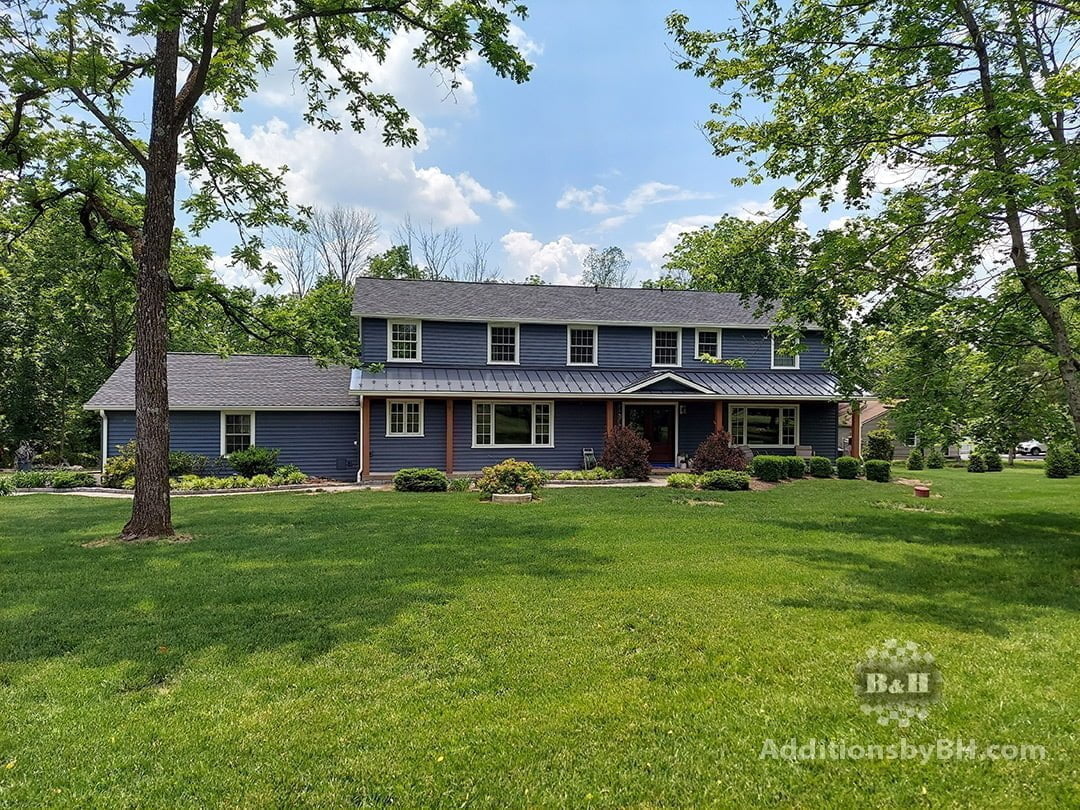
(764,425)
(581,345)
(237,432)
(512,424)
(667,346)
(502,343)
(405,417)
(404,340)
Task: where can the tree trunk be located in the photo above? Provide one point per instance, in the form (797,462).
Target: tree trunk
(151,512)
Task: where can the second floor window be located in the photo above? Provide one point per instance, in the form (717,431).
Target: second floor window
(405,340)
(502,343)
(666,345)
(783,360)
(582,346)
(708,342)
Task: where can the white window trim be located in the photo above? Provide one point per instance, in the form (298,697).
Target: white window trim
(772,357)
(236,413)
(517,343)
(678,346)
(737,440)
(719,342)
(405,435)
(595,343)
(533,402)
(390,340)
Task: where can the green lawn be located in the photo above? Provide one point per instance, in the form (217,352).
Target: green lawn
(604,647)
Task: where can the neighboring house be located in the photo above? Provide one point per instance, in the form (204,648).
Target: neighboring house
(460,375)
(874,415)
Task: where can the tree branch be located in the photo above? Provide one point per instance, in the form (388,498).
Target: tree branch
(111,126)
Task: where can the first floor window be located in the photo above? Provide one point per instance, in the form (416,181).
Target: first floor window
(404,340)
(708,342)
(665,347)
(405,418)
(582,350)
(239,432)
(764,425)
(502,343)
(513,424)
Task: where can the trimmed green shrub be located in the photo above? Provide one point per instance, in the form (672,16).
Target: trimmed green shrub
(915,461)
(511,477)
(731,480)
(716,453)
(935,459)
(6,487)
(992,460)
(682,480)
(254,461)
(421,479)
(847,467)
(65,479)
(821,467)
(625,450)
(460,484)
(879,470)
(976,464)
(1058,461)
(769,468)
(794,467)
(880,445)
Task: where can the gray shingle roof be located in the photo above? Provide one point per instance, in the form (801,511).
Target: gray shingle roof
(731,383)
(459,300)
(239,381)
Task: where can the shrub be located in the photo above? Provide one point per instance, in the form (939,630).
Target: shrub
(682,480)
(6,487)
(1075,458)
(421,479)
(66,479)
(935,459)
(511,476)
(288,475)
(821,467)
(33,479)
(1058,461)
(794,466)
(847,467)
(262,480)
(119,468)
(915,461)
(731,480)
(769,468)
(595,474)
(460,484)
(625,450)
(879,470)
(976,464)
(254,461)
(716,453)
(181,464)
(992,460)
(880,445)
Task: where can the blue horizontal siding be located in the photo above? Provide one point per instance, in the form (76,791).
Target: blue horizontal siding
(695,425)
(391,453)
(819,427)
(321,443)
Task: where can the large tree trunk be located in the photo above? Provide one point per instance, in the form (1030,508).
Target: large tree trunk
(151,512)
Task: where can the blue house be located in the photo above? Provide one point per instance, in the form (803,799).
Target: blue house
(460,375)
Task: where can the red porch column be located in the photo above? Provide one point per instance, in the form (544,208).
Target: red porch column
(609,415)
(856,428)
(449,437)
(718,415)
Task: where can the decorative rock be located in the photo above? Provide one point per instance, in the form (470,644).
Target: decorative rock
(922,492)
(511,497)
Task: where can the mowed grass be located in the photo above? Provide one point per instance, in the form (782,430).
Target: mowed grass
(604,647)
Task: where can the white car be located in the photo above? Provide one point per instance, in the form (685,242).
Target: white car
(1031,447)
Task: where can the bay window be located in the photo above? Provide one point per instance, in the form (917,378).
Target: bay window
(764,425)
(512,424)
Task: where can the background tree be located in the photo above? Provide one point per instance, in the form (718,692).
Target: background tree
(396,262)
(295,257)
(951,132)
(606,268)
(343,239)
(91,57)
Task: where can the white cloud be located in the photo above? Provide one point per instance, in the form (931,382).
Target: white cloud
(557,262)
(528,47)
(595,201)
(235,275)
(357,169)
(654,250)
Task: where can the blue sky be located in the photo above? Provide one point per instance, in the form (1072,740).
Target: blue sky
(600,148)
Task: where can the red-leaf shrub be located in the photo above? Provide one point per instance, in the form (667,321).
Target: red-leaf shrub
(625,450)
(716,453)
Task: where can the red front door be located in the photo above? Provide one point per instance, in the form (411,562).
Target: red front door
(656,423)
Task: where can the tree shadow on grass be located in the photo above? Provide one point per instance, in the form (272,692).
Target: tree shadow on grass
(972,573)
(308,573)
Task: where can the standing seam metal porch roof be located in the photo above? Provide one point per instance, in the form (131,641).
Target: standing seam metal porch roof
(573,382)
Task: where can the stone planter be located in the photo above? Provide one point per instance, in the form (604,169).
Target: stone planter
(512,497)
